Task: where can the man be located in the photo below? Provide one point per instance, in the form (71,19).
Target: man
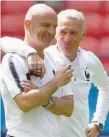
(30,114)
(87,69)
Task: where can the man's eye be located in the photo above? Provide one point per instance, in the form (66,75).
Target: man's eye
(73,32)
(62,32)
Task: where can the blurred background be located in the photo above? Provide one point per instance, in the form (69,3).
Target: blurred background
(96,36)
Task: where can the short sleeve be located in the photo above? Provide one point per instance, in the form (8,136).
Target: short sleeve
(14,70)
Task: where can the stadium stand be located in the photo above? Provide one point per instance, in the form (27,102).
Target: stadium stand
(96,36)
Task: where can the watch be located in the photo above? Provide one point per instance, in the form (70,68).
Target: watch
(50,102)
(98,125)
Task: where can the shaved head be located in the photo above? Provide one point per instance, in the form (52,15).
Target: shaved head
(38,10)
(40,25)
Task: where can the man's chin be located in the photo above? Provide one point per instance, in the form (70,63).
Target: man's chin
(46,44)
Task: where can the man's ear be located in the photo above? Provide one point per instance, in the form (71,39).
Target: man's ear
(82,36)
(27,24)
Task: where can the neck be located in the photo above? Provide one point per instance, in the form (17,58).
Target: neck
(70,55)
(35,46)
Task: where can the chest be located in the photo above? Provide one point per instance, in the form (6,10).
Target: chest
(81,82)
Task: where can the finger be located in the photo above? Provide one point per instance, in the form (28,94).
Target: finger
(25,91)
(70,76)
(86,132)
(25,88)
(67,67)
(27,85)
(32,66)
(43,71)
(69,72)
(90,134)
(26,81)
(39,66)
(38,74)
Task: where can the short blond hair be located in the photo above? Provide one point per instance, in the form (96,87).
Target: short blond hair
(72,13)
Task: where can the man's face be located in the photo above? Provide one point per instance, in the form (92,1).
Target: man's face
(43,29)
(69,34)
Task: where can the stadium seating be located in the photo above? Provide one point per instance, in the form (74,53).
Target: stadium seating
(94,21)
(12,24)
(84,6)
(91,44)
(13,7)
(106,7)
(104,46)
(105,27)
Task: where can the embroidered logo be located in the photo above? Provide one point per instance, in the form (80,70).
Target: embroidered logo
(87,75)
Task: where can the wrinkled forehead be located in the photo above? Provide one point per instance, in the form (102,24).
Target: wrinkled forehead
(45,17)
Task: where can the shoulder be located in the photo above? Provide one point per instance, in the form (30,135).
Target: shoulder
(13,59)
(7,39)
(11,41)
(92,60)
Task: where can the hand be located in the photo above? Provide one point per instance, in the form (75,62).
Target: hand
(36,65)
(63,75)
(27,85)
(92,131)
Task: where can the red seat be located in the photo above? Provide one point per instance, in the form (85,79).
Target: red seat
(90,44)
(12,24)
(104,46)
(16,6)
(94,23)
(105,26)
(84,6)
(106,7)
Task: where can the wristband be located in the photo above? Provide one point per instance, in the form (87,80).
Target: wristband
(98,125)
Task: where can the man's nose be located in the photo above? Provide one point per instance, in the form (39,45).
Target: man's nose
(68,37)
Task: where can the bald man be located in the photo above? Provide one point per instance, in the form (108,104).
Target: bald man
(35,113)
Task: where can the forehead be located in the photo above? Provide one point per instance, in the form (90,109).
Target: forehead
(69,23)
(48,18)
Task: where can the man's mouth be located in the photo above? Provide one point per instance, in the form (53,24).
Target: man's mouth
(67,43)
(48,38)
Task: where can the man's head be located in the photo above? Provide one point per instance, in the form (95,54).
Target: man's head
(40,24)
(70,30)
